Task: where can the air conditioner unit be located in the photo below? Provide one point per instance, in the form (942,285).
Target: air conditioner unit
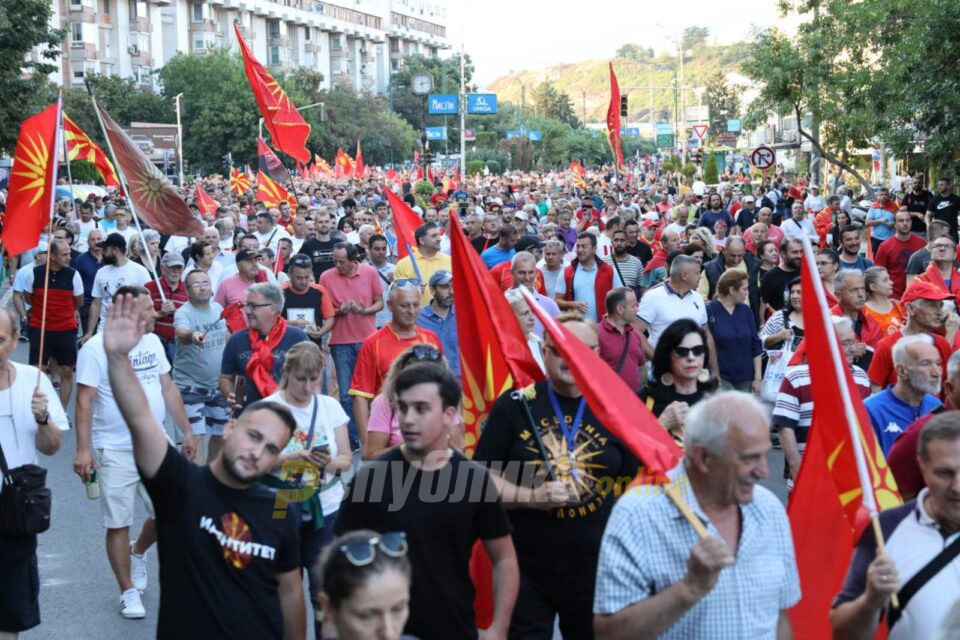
(133,50)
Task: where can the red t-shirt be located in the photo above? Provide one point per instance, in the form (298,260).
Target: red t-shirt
(903,456)
(882,371)
(503,276)
(893,255)
(163,325)
(376,355)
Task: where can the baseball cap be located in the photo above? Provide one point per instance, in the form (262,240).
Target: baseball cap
(521,215)
(920,290)
(525,243)
(114,240)
(246,254)
(749,199)
(172,259)
(440,277)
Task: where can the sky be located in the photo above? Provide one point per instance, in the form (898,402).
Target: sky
(513,35)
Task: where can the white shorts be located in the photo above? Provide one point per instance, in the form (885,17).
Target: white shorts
(119,483)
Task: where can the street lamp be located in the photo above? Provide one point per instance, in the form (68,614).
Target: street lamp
(323,115)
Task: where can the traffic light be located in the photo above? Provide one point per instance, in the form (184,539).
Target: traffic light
(623,106)
(699,156)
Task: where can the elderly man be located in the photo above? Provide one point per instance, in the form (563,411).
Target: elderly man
(551,265)
(919,370)
(917,533)
(440,317)
(268,231)
(942,271)
(382,347)
(166,304)
(257,354)
(747,215)
(656,579)
(428,256)
(734,256)
(685,212)
(797,227)
(524,272)
(848,288)
(774,233)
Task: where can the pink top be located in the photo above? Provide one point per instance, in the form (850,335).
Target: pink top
(774,233)
(363,288)
(383,419)
(233,289)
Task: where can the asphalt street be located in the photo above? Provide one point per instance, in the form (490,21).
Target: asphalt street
(79,597)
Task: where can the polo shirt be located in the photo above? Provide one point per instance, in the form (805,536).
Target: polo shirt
(646,548)
(584,286)
(364,288)
(661,306)
(612,342)
(427,266)
(890,415)
(793,408)
(163,325)
(913,538)
(64,286)
(446,330)
(376,355)
(883,373)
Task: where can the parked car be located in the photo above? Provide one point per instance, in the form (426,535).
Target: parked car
(143,143)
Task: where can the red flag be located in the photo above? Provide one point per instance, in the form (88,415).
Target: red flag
(153,198)
(32,181)
(358,169)
(269,163)
(405,222)
(270,193)
(613,119)
(828,509)
(278,263)
(205,203)
(578,173)
(344,163)
(288,130)
(239,182)
(81,147)
(234,317)
(420,172)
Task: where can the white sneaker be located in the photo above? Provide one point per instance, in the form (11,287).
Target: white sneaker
(138,570)
(130,605)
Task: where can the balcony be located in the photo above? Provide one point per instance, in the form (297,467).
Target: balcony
(83,51)
(141,57)
(83,13)
(140,24)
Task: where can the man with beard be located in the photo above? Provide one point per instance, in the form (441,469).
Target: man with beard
(917,201)
(715,213)
(440,317)
(851,295)
(117,271)
(627,266)
(945,206)
(229,566)
(320,247)
(774,285)
(919,369)
(641,243)
(655,271)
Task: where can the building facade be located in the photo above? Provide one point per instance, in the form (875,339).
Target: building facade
(356,43)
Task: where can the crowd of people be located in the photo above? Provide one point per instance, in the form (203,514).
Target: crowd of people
(291,350)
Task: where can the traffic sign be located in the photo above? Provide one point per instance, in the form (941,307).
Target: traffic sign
(481,103)
(436,133)
(665,128)
(700,130)
(665,140)
(439,104)
(697,113)
(633,132)
(534,136)
(763,157)
(733,125)
(469,135)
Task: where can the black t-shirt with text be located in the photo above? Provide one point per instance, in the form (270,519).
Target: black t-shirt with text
(294,303)
(604,468)
(321,253)
(917,203)
(946,208)
(443,513)
(221,551)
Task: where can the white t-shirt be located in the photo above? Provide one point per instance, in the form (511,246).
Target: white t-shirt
(274,238)
(85,229)
(330,416)
(127,233)
(149,363)
(110,278)
(660,306)
(18,428)
(20,279)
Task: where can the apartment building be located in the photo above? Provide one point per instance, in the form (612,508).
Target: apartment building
(357,43)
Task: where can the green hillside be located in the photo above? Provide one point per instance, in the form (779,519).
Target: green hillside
(587,83)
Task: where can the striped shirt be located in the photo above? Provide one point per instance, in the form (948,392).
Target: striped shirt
(794,406)
(631,270)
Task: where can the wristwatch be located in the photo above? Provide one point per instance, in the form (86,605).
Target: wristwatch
(45,421)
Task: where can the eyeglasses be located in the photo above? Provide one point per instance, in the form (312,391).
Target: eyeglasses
(204,284)
(405,283)
(941,246)
(360,553)
(683,352)
(251,305)
(425,353)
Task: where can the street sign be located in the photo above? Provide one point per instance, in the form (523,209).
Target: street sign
(696,114)
(700,130)
(534,136)
(436,133)
(763,158)
(693,143)
(665,140)
(664,128)
(439,104)
(733,125)
(481,103)
(633,132)
(513,134)
(726,139)
(469,135)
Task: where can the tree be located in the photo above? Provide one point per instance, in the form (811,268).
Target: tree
(694,37)
(635,52)
(446,79)
(710,169)
(24,26)
(550,103)
(724,104)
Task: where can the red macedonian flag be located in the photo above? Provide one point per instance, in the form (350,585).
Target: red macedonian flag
(153,198)
(205,203)
(32,181)
(239,182)
(81,147)
(288,130)
(270,193)
(613,119)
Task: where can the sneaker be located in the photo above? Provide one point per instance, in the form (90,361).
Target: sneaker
(138,570)
(130,605)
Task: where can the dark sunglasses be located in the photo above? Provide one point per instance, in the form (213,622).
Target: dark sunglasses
(360,553)
(425,353)
(405,283)
(683,352)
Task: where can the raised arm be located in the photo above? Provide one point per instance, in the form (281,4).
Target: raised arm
(126,321)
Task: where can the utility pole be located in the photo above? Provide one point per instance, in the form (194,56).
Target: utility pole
(523,102)
(683,107)
(583,107)
(176,100)
(463,118)
(815,123)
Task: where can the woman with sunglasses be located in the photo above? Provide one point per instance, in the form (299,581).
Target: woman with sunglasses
(680,375)
(317,453)
(365,582)
(383,427)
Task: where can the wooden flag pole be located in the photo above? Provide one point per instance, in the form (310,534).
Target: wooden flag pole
(684,507)
(53,201)
(126,190)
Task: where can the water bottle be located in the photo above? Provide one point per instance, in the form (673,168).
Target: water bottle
(93,487)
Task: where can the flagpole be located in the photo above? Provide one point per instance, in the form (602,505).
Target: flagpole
(53,200)
(123,185)
(66,161)
(849,414)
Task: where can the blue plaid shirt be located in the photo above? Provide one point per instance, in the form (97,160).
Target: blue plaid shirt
(646,546)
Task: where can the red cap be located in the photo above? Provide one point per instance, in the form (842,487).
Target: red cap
(920,290)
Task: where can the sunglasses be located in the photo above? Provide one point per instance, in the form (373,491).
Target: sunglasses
(683,352)
(405,283)
(360,553)
(426,353)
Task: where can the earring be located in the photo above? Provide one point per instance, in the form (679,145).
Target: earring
(703,376)
(667,379)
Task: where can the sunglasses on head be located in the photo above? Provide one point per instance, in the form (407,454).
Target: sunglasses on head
(683,352)
(360,553)
(405,283)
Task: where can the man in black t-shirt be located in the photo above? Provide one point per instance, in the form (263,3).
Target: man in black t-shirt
(917,201)
(774,284)
(558,524)
(635,246)
(320,248)
(444,503)
(228,566)
(945,206)
(307,305)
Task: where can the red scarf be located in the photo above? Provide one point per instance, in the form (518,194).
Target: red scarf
(260,364)
(932,275)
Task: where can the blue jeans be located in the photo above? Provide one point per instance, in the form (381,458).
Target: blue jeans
(344,360)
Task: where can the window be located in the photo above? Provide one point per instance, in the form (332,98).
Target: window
(76,33)
(76,3)
(335,43)
(106,7)
(199,47)
(78,77)
(197,12)
(273,27)
(306,34)
(274,55)
(132,9)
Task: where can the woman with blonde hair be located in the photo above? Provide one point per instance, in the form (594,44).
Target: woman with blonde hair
(888,313)
(702,236)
